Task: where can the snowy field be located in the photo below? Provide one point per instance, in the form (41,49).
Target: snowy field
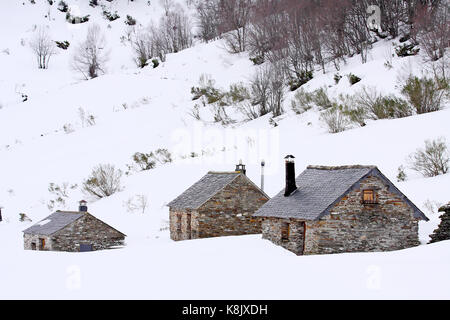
(36,151)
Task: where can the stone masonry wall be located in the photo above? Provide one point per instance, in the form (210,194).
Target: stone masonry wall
(86,230)
(228,213)
(29,239)
(271,229)
(442,233)
(356,227)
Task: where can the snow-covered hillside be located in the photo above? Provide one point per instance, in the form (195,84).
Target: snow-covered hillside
(141,110)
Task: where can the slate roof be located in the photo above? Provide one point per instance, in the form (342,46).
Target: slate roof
(204,189)
(56,221)
(320,188)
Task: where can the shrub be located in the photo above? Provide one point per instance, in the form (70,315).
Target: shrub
(303,78)
(111,16)
(63,44)
(61,194)
(382,107)
(76,20)
(104,181)
(425,94)
(353,79)
(63,6)
(337,77)
(137,203)
(207,90)
(155,63)
(401,175)
(93,3)
(148,161)
(130,21)
(406,50)
(237,93)
(304,101)
(433,160)
(258,60)
(335,119)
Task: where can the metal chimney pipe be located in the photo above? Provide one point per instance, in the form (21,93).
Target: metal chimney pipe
(263,164)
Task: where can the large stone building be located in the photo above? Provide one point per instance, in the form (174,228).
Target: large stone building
(340,209)
(219,204)
(76,231)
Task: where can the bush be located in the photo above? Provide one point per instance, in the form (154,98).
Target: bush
(148,161)
(335,119)
(63,45)
(111,16)
(63,6)
(258,60)
(406,50)
(425,94)
(353,79)
(337,77)
(382,107)
(433,160)
(303,78)
(104,181)
(304,101)
(76,20)
(207,90)
(130,21)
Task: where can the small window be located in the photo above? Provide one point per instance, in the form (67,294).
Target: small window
(369,197)
(285,231)
(178,222)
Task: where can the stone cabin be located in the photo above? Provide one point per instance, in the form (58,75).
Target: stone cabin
(219,204)
(76,231)
(328,210)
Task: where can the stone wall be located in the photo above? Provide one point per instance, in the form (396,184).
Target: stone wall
(271,229)
(353,226)
(86,230)
(442,233)
(29,239)
(228,213)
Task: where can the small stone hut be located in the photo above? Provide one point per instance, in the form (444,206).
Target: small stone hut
(76,231)
(442,233)
(219,204)
(329,210)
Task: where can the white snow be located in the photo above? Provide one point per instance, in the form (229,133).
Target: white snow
(35,151)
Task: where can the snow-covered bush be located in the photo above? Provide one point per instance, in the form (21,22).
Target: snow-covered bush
(61,194)
(148,161)
(104,181)
(433,160)
(353,79)
(335,119)
(425,94)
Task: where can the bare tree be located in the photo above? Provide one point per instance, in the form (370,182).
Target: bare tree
(91,55)
(208,19)
(43,47)
(234,19)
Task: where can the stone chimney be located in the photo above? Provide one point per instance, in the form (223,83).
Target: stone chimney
(290,176)
(83,206)
(241,168)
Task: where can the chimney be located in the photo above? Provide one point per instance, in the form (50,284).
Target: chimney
(241,168)
(290,176)
(83,206)
(263,164)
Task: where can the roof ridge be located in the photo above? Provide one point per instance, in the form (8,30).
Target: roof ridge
(224,172)
(357,166)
